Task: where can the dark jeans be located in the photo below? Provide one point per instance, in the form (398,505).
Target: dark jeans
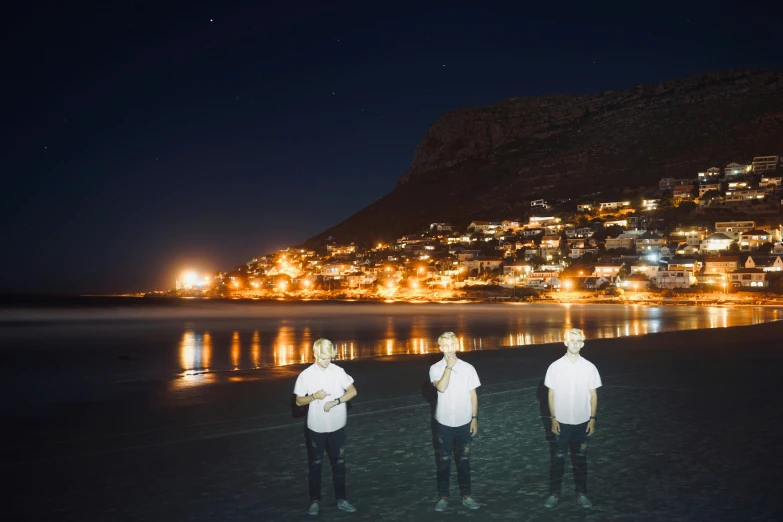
(575,437)
(334,442)
(446,439)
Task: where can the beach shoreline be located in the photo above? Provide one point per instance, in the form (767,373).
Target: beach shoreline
(678,438)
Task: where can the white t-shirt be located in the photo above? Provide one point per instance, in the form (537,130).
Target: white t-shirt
(572,382)
(334,381)
(454,406)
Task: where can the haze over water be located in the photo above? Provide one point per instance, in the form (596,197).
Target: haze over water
(61,352)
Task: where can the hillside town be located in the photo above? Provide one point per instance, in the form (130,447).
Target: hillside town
(718,231)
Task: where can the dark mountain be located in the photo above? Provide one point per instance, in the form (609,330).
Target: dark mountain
(489,162)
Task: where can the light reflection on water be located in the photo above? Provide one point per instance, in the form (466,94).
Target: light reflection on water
(289,341)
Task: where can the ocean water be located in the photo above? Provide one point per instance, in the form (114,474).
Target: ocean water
(65,349)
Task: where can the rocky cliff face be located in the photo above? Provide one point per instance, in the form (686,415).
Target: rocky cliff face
(487,162)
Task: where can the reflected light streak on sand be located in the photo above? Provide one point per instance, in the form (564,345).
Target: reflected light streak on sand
(195,351)
(206,350)
(255,350)
(187,350)
(235,350)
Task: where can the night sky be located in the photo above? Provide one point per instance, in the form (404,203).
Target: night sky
(140,140)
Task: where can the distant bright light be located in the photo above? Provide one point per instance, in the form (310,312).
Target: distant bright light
(189,277)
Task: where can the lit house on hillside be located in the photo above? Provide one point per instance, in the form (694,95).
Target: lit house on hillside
(751,240)
(733,228)
(765,163)
(749,278)
(682,192)
(740,196)
(721,264)
(715,242)
(709,174)
(735,169)
(649,242)
(706,187)
(766,263)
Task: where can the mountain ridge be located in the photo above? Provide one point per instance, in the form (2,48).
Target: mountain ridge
(488,161)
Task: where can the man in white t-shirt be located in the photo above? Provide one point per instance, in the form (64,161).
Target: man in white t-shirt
(457,418)
(326,388)
(573,402)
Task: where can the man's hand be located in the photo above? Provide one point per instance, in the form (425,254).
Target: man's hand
(329,405)
(320,394)
(590,427)
(473,427)
(555,427)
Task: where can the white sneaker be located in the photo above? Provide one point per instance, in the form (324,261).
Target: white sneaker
(551,501)
(346,506)
(441,505)
(314,508)
(583,501)
(470,503)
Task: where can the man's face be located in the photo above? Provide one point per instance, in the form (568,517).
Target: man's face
(448,347)
(573,346)
(323,361)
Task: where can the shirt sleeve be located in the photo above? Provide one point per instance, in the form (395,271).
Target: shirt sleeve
(436,373)
(549,380)
(344,379)
(300,388)
(473,382)
(595,380)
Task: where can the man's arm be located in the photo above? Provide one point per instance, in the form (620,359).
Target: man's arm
(474,409)
(350,393)
(551,400)
(443,382)
(304,400)
(593,410)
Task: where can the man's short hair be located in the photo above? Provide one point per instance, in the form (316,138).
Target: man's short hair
(574,333)
(447,337)
(324,348)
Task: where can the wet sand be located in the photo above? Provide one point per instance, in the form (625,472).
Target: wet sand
(689,428)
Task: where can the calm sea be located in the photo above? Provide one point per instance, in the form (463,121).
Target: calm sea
(58,348)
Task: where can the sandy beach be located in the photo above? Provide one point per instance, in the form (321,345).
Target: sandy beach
(689,429)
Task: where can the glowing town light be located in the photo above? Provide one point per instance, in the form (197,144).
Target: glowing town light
(189,277)
(307,283)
